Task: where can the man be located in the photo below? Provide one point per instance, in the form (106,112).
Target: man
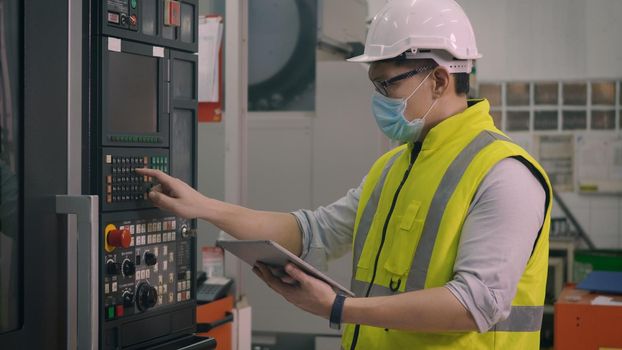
(449,231)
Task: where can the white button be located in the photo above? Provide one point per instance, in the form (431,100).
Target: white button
(174,223)
(188,274)
(159,238)
(170,278)
(174,236)
(108,156)
(155,267)
(159,290)
(170,297)
(160,279)
(159,299)
(165,250)
(132,241)
(148,273)
(106,288)
(164,265)
(171,256)
(114,287)
(156,251)
(165,287)
(178,296)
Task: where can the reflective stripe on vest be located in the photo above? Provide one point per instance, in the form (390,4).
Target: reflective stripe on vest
(419,269)
(521,318)
(368,216)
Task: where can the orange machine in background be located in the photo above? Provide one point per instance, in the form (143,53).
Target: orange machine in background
(217,317)
(581,325)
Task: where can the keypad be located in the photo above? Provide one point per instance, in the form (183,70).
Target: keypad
(123,184)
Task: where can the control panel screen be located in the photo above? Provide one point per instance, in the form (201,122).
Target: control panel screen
(132,93)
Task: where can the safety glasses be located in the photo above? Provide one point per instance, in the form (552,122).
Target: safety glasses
(382,86)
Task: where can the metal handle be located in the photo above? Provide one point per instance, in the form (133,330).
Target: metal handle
(83,310)
(208,326)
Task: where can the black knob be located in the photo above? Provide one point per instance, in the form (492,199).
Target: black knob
(128,267)
(150,258)
(146,296)
(112,268)
(128,299)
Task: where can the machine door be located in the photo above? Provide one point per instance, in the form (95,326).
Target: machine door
(10,165)
(33,170)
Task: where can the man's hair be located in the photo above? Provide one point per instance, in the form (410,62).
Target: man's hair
(461,79)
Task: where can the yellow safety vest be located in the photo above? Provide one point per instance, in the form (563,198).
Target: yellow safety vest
(409,241)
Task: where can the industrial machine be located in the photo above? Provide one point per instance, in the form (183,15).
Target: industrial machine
(105,87)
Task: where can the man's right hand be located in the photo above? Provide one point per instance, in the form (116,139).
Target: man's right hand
(174,195)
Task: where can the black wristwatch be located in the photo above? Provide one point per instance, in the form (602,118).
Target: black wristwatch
(337,311)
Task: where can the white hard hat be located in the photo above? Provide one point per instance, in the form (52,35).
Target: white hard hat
(434,29)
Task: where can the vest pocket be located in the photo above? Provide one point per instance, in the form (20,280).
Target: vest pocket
(405,240)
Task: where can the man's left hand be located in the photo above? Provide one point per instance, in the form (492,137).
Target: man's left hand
(307,292)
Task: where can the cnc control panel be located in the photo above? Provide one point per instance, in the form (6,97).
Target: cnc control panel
(143,103)
(147,264)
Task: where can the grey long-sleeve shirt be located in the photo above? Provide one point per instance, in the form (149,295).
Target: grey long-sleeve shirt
(497,238)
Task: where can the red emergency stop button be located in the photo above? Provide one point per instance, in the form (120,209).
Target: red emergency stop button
(119,238)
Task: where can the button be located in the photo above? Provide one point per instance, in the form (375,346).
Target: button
(120,310)
(108,199)
(119,238)
(150,258)
(133,3)
(110,312)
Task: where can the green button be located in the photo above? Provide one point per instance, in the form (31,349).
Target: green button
(165,169)
(110,312)
(165,160)
(133,2)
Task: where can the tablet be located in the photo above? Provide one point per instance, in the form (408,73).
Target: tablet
(276,257)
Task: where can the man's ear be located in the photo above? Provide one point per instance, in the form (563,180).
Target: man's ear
(441,81)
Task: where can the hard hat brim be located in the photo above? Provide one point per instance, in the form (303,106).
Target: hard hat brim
(362,59)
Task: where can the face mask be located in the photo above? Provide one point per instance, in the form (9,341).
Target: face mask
(389,114)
